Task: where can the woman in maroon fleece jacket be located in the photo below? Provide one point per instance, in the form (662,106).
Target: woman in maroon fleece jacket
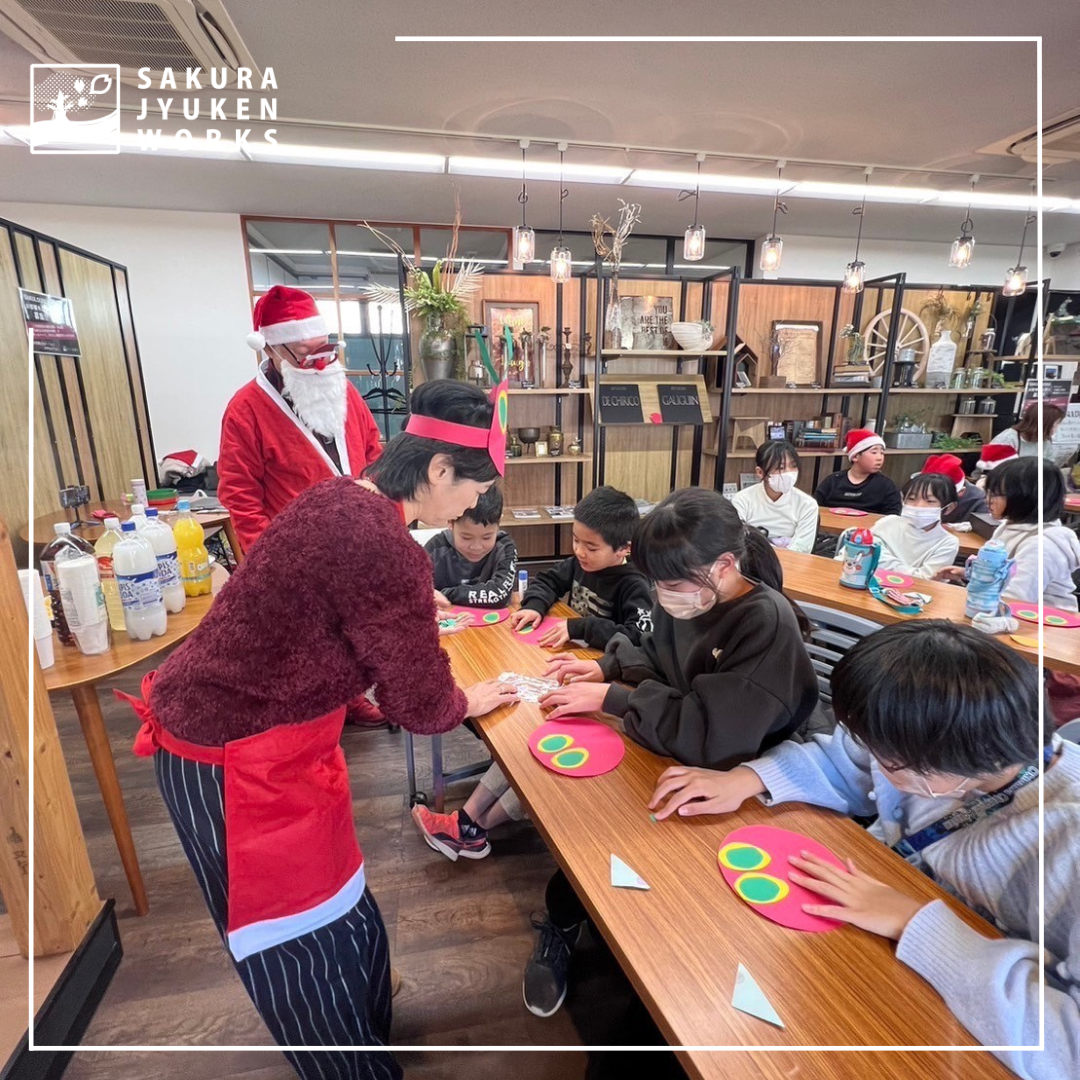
(244,721)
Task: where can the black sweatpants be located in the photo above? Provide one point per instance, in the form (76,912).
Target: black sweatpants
(329,987)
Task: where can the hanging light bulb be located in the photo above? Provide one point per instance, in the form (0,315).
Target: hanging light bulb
(524,237)
(963,247)
(561,259)
(693,249)
(772,250)
(855,271)
(1016,278)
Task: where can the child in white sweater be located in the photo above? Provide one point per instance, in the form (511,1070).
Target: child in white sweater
(915,542)
(776,506)
(920,738)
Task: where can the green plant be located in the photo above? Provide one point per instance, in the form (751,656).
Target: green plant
(856,343)
(997,379)
(706,326)
(427,294)
(942,313)
(914,421)
(947,442)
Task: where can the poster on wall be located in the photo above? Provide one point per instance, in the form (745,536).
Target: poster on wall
(1067,436)
(1051,391)
(521,317)
(645,322)
(52,320)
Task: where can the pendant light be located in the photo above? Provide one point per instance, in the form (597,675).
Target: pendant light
(561,259)
(772,250)
(855,271)
(693,249)
(963,247)
(524,237)
(1016,279)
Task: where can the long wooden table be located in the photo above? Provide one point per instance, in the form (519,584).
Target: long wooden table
(835,524)
(681,942)
(817,581)
(80,675)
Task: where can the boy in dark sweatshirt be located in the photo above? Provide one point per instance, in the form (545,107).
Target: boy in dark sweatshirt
(609,595)
(474,561)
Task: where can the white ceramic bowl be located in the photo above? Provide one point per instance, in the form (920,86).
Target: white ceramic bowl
(691,336)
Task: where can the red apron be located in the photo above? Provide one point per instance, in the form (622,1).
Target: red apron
(294,863)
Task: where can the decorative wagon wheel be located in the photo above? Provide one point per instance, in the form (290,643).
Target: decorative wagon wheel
(910,334)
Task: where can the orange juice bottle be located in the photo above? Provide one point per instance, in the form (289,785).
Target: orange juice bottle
(191,552)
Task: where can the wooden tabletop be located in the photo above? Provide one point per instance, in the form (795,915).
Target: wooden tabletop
(73,669)
(42,527)
(835,524)
(682,941)
(817,581)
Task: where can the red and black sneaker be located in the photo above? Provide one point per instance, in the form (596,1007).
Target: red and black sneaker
(443,833)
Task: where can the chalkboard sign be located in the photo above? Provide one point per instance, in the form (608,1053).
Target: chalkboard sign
(679,403)
(620,403)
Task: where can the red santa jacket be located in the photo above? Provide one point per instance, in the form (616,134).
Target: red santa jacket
(268,457)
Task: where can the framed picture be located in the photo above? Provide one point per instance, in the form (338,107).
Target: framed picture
(518,315)
(742,379)
(799,347)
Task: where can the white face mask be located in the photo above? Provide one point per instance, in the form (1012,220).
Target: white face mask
(783,482)
(922,517)
(686,605)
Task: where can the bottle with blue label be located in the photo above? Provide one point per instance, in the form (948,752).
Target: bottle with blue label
(522,585)
(168,564)
(986,573)
(135,566)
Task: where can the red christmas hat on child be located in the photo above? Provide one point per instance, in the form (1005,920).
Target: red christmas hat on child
(862,439)
(493,439)
(947,465)
(284,314)
(993,454)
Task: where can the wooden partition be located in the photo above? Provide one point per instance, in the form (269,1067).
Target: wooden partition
(92,425)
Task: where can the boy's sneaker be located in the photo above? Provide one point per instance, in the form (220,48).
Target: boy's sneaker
(544,984)
(443,833)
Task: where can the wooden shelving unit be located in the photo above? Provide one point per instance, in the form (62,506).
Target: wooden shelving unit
(508,521)
(957,393)
(749,454)
(547,459)
(544,392)
(827,391)
(662,354)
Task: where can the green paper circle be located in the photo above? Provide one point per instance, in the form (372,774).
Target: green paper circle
(759,890)
(1056,620)
(573,758)
(491,617)
(740,857)
(552,744)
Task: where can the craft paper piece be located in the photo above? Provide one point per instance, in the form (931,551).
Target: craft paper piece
(893,579)
(1052,616)
(531,635)
(576,746)
(622,877)
(750,998)
(528,687)
(1027,642)
(847,511)
(482,616)
(754,862)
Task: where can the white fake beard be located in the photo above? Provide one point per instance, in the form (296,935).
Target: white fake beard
(317,396)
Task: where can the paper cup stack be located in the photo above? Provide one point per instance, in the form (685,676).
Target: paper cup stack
(39,618)
(84,603)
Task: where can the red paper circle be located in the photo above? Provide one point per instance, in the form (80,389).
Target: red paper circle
(531,635)
(1029,612)
(893,579)
(779,844)
(481,615)
(605,747)
(847,511)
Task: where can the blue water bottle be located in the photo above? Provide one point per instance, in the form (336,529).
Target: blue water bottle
(987,572)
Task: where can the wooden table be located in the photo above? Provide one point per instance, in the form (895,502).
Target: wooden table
(817,580)
(681,942)
(835,524)
(40,532)
(80,675)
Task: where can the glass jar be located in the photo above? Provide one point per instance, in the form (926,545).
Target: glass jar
(987,406)
(967,406)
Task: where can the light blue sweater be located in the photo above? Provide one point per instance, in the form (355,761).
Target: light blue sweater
(991,986)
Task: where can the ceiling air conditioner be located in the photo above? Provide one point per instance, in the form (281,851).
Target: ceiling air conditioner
(154,34)
(1061,142)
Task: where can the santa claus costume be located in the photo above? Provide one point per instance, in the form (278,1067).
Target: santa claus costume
(244,721)
(297,422)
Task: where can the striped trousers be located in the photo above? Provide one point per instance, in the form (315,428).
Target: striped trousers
(330,987)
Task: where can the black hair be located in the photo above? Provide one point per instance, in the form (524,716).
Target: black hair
(611,513)
(932,486)
(488,509)
(774,455)
(402,469)
(683,535)
(1018,479)
(936,696)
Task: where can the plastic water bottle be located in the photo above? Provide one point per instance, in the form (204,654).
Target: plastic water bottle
(103,551)
(191,551)
(522,585)
(138,515)
(62,541)
(987,573)
(82,600)
(168,566)
(140,591)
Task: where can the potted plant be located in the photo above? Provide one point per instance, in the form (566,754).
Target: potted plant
(909,433)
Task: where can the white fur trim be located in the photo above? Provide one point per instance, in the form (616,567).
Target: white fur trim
(296,330)
(859,447)
(255,341)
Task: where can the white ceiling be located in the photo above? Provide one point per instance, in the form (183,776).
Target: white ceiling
(914,104)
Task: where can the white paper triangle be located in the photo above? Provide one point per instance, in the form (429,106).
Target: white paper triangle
(749,998)
(622,877)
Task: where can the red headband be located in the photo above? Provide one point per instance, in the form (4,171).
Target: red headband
(493,440)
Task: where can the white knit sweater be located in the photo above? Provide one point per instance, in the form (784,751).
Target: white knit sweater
(1061,559)
(910,550)
(991,986)
(794,516)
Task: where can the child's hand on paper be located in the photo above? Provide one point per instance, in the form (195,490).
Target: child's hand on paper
(575,699)
(570,669)
(693,791)
(519,620)
(556,636)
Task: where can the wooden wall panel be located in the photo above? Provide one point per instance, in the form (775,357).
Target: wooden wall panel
(52,435)
(131,352)
(31,279)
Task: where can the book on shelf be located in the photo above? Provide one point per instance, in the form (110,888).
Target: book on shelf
(560,513)
(525,513)
(643,506)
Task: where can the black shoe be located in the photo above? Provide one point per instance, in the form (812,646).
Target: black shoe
(544,984)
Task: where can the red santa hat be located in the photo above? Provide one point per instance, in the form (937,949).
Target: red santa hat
(862,439)
(994,454)
(284,314)
(947,465)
